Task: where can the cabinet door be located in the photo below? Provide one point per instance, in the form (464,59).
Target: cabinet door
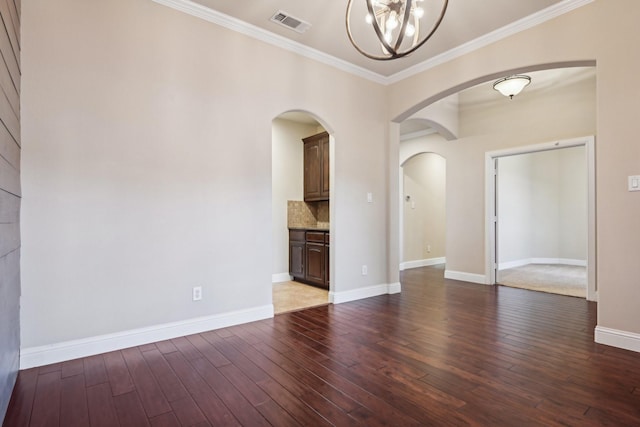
(326,266)
(296,259)
(324,151)
(315,266)
(312,165)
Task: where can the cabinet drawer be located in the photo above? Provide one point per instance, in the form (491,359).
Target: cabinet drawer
(326,238)
(315,236)
(296,235)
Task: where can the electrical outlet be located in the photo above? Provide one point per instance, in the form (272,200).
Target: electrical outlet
(364,270)
(197,293)
(428,248)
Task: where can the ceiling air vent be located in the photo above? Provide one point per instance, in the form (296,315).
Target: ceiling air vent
(290,22)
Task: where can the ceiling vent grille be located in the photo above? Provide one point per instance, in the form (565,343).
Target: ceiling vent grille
(290,22)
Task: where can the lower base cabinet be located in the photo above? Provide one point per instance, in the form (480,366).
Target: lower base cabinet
(309,257)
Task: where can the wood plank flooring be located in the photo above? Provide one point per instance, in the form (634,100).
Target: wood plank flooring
(440,353)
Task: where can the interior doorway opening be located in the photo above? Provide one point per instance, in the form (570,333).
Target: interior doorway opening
(423,189)
(295,215)
(541,217)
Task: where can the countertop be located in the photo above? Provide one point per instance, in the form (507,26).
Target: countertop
(310,228)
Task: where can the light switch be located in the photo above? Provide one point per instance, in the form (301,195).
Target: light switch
(634,183)
(369,197)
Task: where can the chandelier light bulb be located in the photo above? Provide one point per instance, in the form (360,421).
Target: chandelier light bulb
(368,19)
(410,31)
(418,12)
(392,22)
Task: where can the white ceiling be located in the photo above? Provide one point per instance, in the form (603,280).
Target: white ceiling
(467,24)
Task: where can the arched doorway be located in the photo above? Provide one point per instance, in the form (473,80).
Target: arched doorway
(424,211)
(293,214)
(499,123)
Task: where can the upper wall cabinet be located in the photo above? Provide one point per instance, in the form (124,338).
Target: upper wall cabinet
(316,167)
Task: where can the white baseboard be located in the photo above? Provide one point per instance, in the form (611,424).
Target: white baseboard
(361,293)
(281,277)
(69,350)
(395,288)
(514,264)
(527,261)
(618,338)
(466,277)
(422,263)
(565,261)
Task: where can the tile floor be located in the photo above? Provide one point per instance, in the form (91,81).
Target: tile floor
(291,296)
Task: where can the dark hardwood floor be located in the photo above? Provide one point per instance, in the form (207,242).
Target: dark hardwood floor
(440,353)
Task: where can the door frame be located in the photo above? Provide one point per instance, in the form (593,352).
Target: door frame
(491,245)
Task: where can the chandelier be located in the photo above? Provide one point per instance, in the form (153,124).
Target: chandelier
(400,26)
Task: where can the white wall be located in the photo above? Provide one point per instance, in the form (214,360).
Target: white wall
(573,214)
(514,200)
(147,169)
(542,206)
(287,183)
(424,214)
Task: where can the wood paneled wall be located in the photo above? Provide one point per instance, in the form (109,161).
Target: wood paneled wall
(9,198)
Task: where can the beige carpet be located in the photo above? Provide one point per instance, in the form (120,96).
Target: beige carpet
(290,296)
(553,278)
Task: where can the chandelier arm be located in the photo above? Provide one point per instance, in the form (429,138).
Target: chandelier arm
(433,30)
(353,42)
(377,28)
(403,28)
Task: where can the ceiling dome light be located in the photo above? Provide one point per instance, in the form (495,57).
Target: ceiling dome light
(395,28)
(512,85)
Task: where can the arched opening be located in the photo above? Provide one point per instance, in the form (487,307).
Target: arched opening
(559,104)
(423,239)
(301,224)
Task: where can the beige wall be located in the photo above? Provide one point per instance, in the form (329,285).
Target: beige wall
(10,196)
(424,219)
(596,32)
(147,167)
(288,181)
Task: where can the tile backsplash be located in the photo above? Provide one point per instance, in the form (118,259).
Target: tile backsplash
(312,215)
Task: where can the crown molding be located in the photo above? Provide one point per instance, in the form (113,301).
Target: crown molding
(234,24)
(501,33)
(418,134)
(258,33)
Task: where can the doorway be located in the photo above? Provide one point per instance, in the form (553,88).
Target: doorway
(541,218)
(290,210)
(423,187)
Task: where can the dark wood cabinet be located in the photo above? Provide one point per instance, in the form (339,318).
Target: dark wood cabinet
(326,259)
(296,259)
(324,176)
(315,263)
(309,257)
(297,248)
(316,167)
